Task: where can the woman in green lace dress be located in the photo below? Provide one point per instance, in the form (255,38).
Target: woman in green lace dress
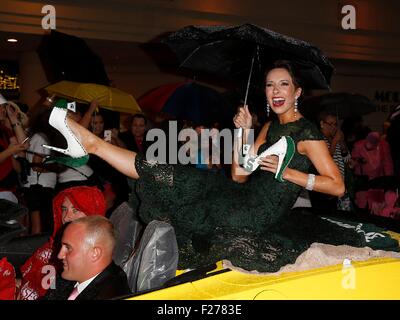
(240,219)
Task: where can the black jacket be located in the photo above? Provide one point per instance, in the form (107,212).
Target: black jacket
(109,284)
(129,139)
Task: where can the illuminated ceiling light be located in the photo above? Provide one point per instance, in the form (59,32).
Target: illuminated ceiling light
(13,40)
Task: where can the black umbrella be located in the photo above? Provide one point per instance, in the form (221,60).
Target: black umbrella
(66,57)
(234,52)
(342,104)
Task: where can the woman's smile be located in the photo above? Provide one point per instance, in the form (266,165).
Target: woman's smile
(278,102)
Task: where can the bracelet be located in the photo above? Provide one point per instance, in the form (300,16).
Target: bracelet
(49,99)
(13,125)
(310,182)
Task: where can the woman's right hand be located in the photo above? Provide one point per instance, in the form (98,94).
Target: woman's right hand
(243,118)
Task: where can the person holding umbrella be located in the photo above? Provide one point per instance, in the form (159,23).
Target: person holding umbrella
(283,92)
(216,218)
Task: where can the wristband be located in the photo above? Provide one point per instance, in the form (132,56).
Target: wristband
(310,182)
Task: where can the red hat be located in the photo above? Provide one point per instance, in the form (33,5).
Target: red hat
(89,200)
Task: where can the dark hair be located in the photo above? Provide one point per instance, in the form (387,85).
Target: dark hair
(139,116)
(325,114)
(288,66)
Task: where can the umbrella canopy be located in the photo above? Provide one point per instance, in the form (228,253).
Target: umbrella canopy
(185,101)
(66,57)
(108,97)
(228,52)
(342,104)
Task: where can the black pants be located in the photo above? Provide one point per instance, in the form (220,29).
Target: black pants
(40,198)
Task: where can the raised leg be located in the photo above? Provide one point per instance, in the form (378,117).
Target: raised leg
(121,159)
(81,142)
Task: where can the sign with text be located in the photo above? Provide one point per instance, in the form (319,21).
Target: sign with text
(9,79)
(387,100)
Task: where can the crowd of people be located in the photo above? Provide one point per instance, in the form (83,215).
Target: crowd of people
(29,178)
(58,193)
(72,203)
(366,164)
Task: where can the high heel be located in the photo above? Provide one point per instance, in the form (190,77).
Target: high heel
(284,149)
(58,120)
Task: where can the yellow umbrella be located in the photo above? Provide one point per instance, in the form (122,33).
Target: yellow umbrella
(108,97)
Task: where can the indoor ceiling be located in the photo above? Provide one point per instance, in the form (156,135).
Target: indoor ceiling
(108,50)
(11,51)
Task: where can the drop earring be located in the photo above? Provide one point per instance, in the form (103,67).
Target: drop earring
(296,104)
(267,109)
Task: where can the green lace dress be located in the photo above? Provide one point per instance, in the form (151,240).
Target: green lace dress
(214,218)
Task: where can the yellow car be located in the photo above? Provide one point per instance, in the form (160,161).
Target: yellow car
(377,278)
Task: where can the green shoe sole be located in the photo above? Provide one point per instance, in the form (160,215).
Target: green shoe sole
(69,161)
(290,150)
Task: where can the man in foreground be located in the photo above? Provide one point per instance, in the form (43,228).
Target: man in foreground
(89,272)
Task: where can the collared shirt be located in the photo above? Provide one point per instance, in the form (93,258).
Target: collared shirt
(82,286)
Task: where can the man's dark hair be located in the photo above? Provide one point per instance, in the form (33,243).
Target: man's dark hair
(139,116)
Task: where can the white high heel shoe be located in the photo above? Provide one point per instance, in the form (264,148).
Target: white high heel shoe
(284,148)
(78,154)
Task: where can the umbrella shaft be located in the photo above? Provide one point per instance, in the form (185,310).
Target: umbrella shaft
(249,78)
(240,132)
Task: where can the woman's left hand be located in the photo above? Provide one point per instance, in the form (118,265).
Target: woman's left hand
(269,163)
(12,113)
